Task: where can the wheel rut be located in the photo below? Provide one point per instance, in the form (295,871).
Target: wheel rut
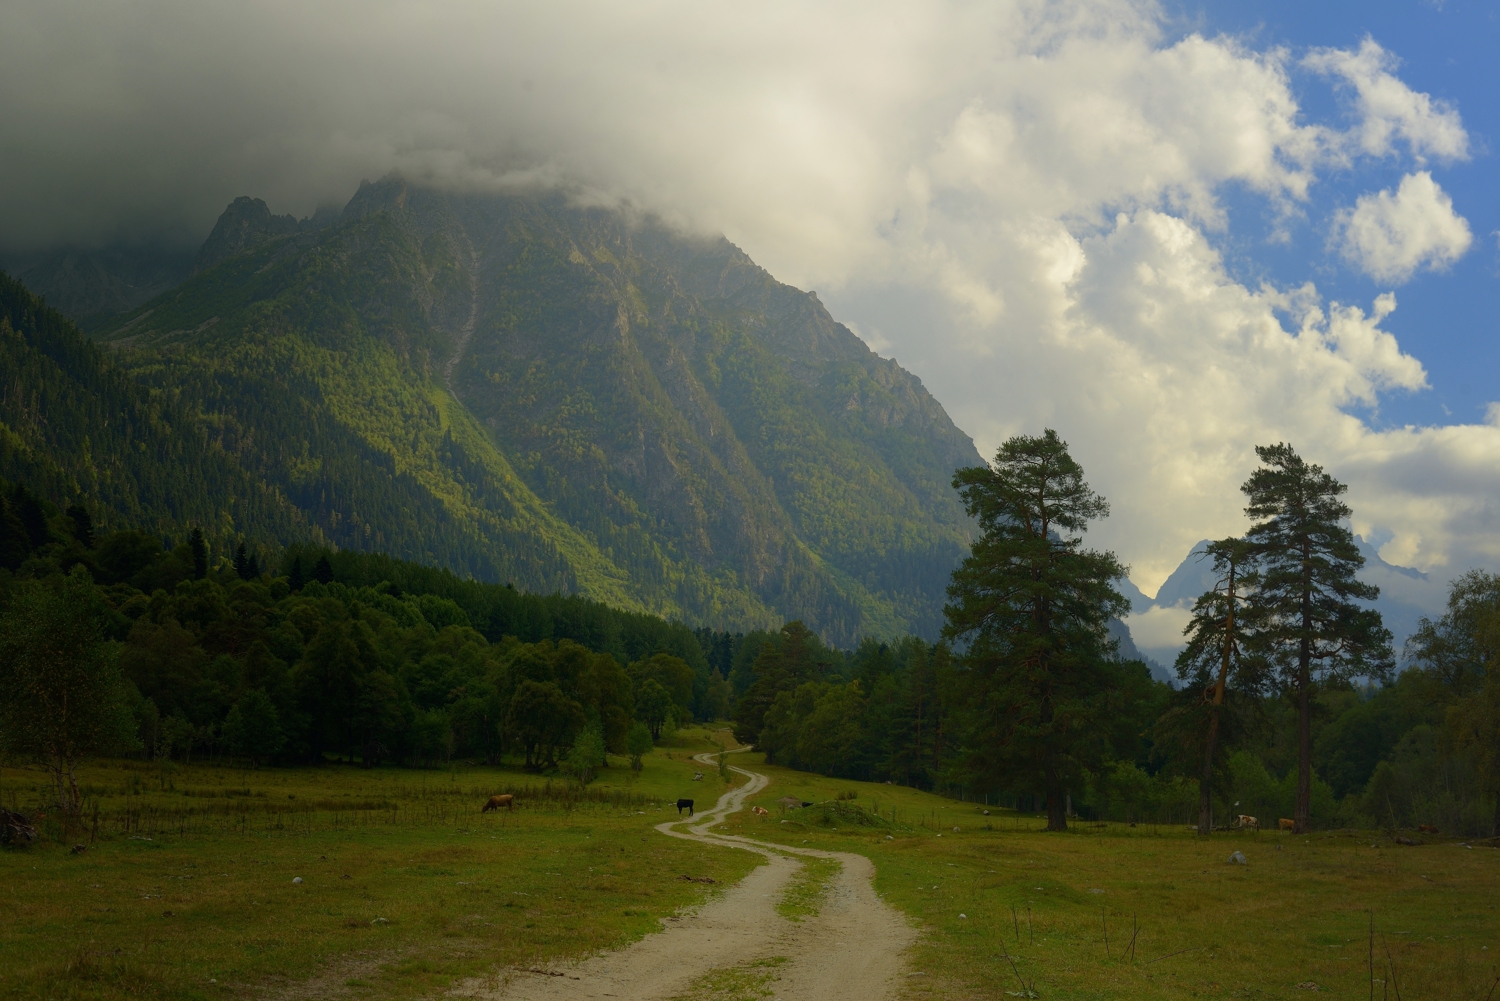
(853,950)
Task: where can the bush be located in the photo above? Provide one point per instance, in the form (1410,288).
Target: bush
(586,756)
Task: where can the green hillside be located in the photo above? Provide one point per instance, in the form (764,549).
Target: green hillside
(525,391)
(76,426)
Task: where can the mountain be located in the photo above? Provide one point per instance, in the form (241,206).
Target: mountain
(525,390)
(74,425)
(94,284)
(1406,595)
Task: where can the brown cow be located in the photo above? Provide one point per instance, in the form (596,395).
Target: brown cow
(508,800)
(1248,822)
(1287,825)
(759,811)
(1427,829)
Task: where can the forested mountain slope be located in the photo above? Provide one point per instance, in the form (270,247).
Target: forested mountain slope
(76,426)
(524,390)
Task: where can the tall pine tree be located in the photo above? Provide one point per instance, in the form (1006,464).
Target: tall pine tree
(1215,650)
(200,554)
(1307,624)
(1031,604)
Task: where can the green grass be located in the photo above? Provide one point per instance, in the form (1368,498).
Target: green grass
(186,890)
(804,895)
(464,895)
(1298,913)
(751,981)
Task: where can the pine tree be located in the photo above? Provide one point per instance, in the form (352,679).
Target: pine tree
(1306,622)
(252,567)
(1215,649)
(294,579)
(33,517)
(1032,605)
(15,543)
(200,554)
(323,570)
(241,562)
(83,525)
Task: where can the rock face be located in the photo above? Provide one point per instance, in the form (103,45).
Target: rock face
(245,224)
(523,389)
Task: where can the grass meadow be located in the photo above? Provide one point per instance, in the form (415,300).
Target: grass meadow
(1011,910)
(184,888)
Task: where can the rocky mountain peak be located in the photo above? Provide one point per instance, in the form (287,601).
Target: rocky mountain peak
(244,225)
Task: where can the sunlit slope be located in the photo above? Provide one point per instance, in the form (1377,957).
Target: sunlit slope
(314,365)
(715,412)
(526,391)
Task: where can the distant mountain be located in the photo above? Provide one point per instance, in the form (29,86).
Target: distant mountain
(1405,595)
(524,390)
(93,284)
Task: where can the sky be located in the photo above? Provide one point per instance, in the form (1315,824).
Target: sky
(1171,231)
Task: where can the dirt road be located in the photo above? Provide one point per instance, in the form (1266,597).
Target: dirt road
(853,949)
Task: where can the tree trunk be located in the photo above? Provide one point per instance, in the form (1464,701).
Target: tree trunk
(1302,814)
(59,770)
(1057,815)
(1205,782)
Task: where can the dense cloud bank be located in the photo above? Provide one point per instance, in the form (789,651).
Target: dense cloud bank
(1022,202)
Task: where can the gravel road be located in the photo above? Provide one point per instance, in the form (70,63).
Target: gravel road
(853,949)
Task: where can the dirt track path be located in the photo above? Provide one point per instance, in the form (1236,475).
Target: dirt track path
(852,950)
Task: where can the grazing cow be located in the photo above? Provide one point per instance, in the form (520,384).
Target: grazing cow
(1427,829)
(1247,821)
(1286,825)
(684,804)
(508,800)
(760,811)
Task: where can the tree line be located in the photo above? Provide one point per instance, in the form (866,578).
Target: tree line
(1290,704)
(123,644)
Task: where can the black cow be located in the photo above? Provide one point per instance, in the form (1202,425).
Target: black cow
(684,804)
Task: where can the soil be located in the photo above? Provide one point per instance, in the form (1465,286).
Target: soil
(852,949)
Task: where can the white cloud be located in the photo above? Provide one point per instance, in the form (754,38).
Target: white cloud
(1013,199)
(1389,236)
(1159,629)
(1389,109)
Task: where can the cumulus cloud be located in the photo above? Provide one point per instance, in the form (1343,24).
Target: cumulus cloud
(1389,110)
(1389,236)
(1016,200)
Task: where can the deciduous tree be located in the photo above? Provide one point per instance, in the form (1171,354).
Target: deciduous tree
(61,694)
(1463,649)
(253,727)
(638,744)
